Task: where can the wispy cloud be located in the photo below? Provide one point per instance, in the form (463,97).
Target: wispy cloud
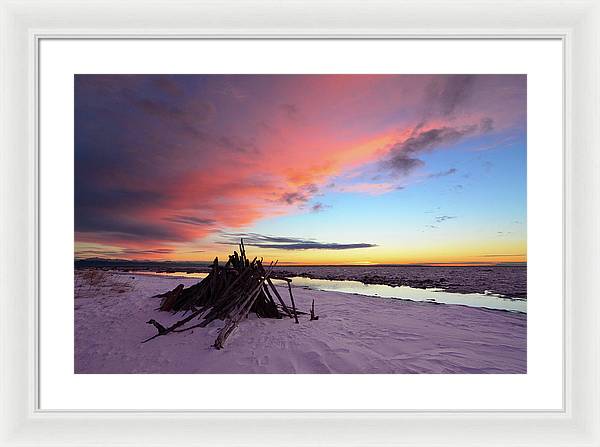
(449,93)
(287,243)
(299,196)
(124,253)
(319,207)
(370,188)
(500,255)
(403,156)
(440,219)
(190,220)
(450,171)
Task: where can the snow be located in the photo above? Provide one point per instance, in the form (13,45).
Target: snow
(354,334)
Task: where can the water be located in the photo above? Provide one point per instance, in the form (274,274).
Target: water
(489,301)
(505,280)
(436,295)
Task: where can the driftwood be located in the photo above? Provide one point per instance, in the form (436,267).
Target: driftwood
(157,325)
(285,308)
(313,317)
(227,293)
(170,297)
(240,312)
(292,299)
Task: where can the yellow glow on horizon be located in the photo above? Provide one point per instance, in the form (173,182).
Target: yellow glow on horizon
(451,252)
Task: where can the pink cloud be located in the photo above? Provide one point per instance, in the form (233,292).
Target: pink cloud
(172,160)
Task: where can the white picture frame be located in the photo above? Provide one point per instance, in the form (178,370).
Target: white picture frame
(24,23)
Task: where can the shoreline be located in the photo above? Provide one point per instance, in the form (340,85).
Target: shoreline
(442,277)
(394,280)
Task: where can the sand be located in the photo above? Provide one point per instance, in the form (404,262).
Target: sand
(354,334)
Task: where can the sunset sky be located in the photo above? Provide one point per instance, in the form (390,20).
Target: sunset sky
(309,169)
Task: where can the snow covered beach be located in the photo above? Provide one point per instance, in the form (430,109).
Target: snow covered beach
(354,334)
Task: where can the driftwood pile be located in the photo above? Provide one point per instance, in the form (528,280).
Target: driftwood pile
(228,293)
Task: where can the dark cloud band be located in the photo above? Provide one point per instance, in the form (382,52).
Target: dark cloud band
(286,243)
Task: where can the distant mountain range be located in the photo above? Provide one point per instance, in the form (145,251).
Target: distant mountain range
(103,262)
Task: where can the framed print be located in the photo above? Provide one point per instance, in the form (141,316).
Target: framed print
(250,224)
(441,151)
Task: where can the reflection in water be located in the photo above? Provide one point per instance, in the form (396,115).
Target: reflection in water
(489,301)
(414,294)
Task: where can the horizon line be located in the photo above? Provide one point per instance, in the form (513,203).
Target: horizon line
(293,264)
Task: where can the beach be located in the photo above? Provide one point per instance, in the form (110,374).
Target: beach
(355,334)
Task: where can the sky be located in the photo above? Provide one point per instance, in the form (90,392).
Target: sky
(307,169)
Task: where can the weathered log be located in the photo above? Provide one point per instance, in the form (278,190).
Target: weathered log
(285,308)
(224,305)
(175,325)
(157,325)
(169,298)
(271,300)
(238,314)
(162,295)
(312,312)
(293,305)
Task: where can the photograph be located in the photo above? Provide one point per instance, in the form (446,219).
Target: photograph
(300,223)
